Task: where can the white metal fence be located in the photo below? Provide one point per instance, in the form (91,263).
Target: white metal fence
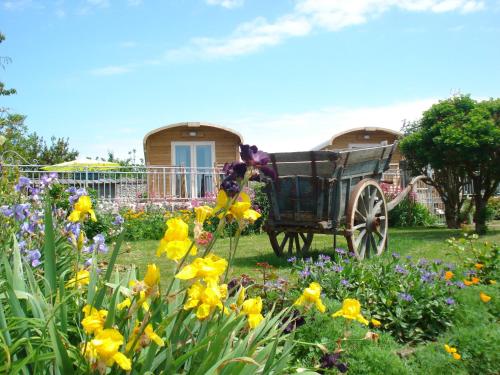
(139,183)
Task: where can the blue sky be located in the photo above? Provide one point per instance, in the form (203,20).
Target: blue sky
(286,74)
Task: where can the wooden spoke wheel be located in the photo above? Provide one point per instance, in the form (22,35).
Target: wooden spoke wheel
(366,219)
(291,242)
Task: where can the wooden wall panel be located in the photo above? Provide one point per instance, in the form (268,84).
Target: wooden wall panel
(158,145)
(358,137)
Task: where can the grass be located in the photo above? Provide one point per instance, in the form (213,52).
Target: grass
(417,242)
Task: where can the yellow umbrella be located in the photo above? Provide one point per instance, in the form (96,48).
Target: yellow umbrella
(81,165)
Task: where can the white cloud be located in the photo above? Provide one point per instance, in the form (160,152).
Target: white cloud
(229,4)
(111,70)
(128,44)
(303,131)
(308,15)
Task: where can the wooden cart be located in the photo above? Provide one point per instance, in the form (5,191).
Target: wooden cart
(330,193)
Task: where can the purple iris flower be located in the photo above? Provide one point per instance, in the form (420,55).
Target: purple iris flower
(405,297)
(230,186)
(292,260)
(22,183)
(254,157)
(48,179)
(235,169)
(22,246)
(450,301)
(6,211)
(99,243)
(396,255)
(34,257)
(294,321)
(319,264)
(75,194)
(331,360)
(437,262)
(119,220)
(400,269)
(21,211)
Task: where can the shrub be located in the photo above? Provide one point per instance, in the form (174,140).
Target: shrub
(409,213)
(412,300)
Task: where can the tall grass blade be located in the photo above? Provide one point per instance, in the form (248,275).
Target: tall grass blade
(49,250)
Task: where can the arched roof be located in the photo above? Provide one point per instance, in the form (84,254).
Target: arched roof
(363,128)
(189,125)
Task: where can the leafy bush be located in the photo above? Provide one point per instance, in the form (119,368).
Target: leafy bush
(493,208)
(412,300)
(409,213)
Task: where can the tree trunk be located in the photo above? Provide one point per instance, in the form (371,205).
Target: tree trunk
(451,215)
(480,214)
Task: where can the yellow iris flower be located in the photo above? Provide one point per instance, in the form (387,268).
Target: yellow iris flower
(175,243)
(82,278)
(82,208)
(104,348)
(208,268)
(94,319)
(177,230)
(311,295)
(252,308)
(240,210)
(351,309)
(124,304)
(202,212)
(152,277)
(147,336)
(205,298)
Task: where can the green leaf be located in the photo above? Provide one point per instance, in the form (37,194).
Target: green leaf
(49,250)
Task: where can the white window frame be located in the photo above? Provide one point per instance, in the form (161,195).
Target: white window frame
(192,168)
(365,145)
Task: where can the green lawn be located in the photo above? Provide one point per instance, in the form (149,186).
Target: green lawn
(419,243)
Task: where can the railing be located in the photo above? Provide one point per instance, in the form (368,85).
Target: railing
(140,183)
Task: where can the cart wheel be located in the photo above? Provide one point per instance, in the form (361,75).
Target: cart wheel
(366,219)
(294,241)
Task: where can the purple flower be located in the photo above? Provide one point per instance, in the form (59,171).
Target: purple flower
(396,255)
(352,254)
(331,360)
(48,179)
(308,260)
(422,262)
(293,321)
(449,266)
(337,268)
(6,211)
(21,211)
(460,285)
(319,264)
(325,258)
(119,220)
(405,297)
(470,273)
(256,158)
(400,269)
(34,257)
(235,170)
(408,257)
(99,244)
(75,194)
(292,260)
(450,301)
(427,276)
(230,186)
(88,262)
(305,273)
(345,283)
(437,262)
(340,251)
(22,183)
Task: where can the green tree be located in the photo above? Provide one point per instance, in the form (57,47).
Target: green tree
(456,142)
